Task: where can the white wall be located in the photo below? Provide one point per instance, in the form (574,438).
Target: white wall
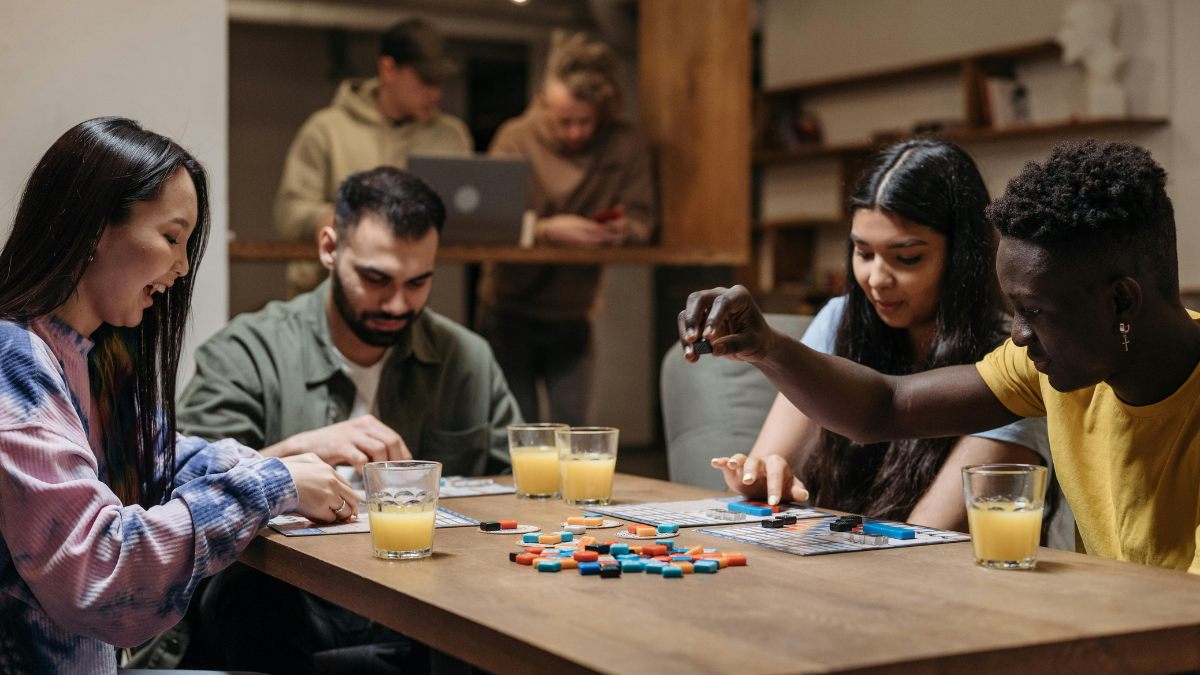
(161,62)
(830,38)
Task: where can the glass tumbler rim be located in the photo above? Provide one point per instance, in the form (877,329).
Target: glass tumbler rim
(1002,469)
(591,430)
(402,465)
(527,426)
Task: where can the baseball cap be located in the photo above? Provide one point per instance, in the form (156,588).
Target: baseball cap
(416,43)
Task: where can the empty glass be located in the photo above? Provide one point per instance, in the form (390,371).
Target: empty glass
(402,507)
(587,458)
(1004,510)
(534,452)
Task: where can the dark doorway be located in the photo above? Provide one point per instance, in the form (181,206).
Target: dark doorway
(497,88)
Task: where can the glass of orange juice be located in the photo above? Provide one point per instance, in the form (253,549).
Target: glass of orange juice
(534,452)
(1005,503)
(402,507)
(587,458)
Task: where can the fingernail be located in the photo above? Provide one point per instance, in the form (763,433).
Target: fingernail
(748,478)
(772,500)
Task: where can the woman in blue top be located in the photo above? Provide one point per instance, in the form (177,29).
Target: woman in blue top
(922,293)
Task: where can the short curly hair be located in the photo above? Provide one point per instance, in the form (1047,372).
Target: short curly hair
(1095,199)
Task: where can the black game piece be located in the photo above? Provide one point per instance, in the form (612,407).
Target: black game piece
(598,548)
(701,347)
(857,520)
(610,571)
(773,522)
(489,526)
(512,556)
(840,526)
(789,520)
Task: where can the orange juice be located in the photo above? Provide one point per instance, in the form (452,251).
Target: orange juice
(535,470)
(403,529)
(587,477)
(1004,531)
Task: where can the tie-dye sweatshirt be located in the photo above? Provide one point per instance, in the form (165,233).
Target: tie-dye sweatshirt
(79,572)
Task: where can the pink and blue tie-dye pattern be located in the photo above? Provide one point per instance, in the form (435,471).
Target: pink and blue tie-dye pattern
(79,572)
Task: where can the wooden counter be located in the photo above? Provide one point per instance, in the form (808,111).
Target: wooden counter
(281,251)
(917,610)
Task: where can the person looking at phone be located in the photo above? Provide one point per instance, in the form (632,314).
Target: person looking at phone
(591,188)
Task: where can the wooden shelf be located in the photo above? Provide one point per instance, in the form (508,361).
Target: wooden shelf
(1040,48)
(283,251)
(967,135)
(794,223)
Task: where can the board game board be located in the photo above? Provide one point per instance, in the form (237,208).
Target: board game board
(691,513)
(812,537)
(298,526)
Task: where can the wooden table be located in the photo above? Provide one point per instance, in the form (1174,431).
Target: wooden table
(916,610)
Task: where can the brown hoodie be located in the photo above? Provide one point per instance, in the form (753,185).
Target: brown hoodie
(614,168)
(349,136)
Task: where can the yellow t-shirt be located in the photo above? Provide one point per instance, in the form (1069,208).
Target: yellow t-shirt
(1130,473)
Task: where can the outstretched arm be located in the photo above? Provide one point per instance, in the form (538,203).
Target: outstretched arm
(838,394)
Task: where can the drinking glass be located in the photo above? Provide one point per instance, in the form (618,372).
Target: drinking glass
(534,452)
(402,500)
(587,458)
(1004,510)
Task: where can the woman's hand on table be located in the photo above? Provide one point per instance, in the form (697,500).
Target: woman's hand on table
(768,479)
(572,230)
(730,320)
(325,497)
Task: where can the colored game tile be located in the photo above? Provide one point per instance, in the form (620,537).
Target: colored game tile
(508,524)
(645,531)
(628,566)
(549,566)
(668,528)
(672,572)
(589,568)
(489,526)
(530,538)
(586,556)
(525,558)
(549,539)
(706,566)
(685,566)
(750,509)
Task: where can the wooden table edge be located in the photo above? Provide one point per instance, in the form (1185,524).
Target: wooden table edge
(436,627)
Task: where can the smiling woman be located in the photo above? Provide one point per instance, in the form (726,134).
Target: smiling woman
(108,518)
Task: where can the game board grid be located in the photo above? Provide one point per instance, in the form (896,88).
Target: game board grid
(653,515)
(813,537)
(281,524)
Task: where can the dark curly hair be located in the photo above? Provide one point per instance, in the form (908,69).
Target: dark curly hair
(1096,200)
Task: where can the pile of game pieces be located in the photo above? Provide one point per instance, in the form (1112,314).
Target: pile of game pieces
(608,560)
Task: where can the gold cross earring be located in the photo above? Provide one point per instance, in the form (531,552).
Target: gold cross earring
(1124,328)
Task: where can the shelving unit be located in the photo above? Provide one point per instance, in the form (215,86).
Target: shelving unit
(764,276)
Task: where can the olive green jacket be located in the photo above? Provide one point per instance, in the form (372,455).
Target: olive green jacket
(271,374)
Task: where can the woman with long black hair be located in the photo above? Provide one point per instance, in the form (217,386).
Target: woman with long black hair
(108,519)
(921,293)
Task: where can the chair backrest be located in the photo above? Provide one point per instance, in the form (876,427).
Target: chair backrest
(715,408)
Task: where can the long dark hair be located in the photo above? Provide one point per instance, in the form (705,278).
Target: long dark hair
(936,184)
(87,181)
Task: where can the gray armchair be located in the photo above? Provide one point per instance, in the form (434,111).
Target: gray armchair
(715,408)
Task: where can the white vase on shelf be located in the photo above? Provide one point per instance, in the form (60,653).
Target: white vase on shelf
(1086,37)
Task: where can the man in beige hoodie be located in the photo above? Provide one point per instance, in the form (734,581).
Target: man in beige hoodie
(371,123)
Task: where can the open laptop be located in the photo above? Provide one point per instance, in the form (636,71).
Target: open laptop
(485,197)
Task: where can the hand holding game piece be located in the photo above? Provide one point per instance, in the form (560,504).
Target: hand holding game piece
(730,320)
(769,478)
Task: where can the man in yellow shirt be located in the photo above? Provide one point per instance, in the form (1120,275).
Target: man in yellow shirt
(370,123)
(1101,345)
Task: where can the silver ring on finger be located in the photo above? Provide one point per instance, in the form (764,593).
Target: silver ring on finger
(338,511)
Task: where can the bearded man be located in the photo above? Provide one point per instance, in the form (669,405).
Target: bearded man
(355,371)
